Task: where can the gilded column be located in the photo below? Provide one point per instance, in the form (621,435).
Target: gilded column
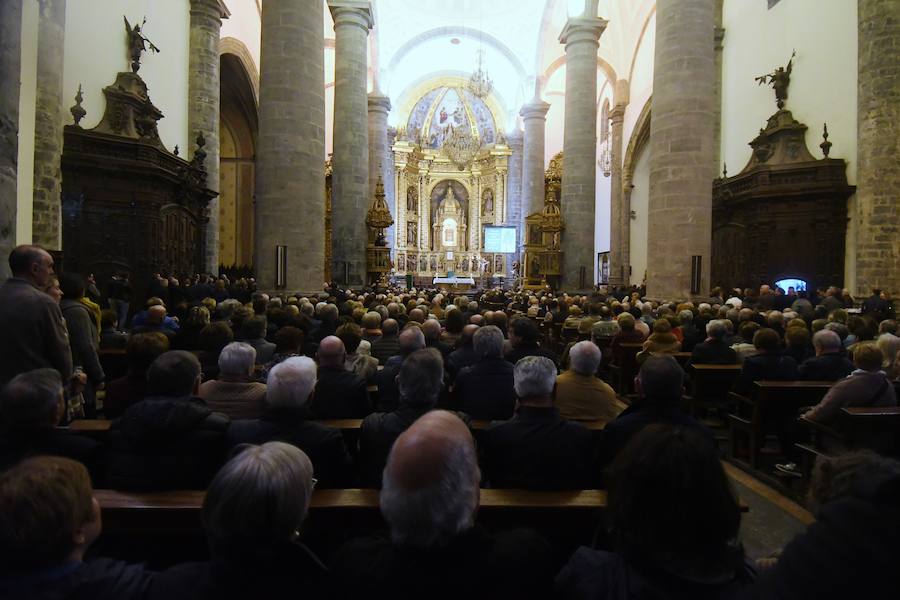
(534,114)
(878,145)
(290,165)
(581,36)
(620,221)
(203,108)
(682,148)
(352,21)
(10,73)
(48,125)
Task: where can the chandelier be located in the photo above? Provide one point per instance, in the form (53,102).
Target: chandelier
(460,146)
(480,82)
(605,161)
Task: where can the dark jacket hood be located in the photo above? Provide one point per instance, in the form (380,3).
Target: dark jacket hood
(159,418)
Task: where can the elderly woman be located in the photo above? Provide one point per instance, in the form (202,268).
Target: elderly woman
(360,363)
(233,392)
(253,512)
(661,341)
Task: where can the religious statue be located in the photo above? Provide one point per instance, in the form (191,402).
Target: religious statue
(411,231)
(136,43)
(779,79)
(487,207)
(411,199)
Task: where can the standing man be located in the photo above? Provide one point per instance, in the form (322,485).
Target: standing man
(34,332)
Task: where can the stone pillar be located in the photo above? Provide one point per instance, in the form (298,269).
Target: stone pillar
(379,107)
(534,114)
(620,218)
(390,187)
(878,145)
(10,73)
(515,184)
(682,148)
(203,108)
(290,163)
(581,36)
(48,125)
(350,196)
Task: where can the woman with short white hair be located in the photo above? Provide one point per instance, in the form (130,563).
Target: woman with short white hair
(234,392)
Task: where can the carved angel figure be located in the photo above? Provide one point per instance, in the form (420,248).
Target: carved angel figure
(779,79)
(137,43)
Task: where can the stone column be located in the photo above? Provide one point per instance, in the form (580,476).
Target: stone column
(290,163)
(350,198)
(682,147)
(203,108)
(390,187)
(620,219)
(534,114)
(379,107)
(515,184)
(48,125)
(10,73)
(581,36)
(878,146)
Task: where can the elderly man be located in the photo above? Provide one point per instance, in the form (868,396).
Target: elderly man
(431,329)
(537,449)
(829,363)
(580,395)
(233,392)
(420,381)
(410,340)
(253,332)
(388,344)
(523,338)
(34,333)
(465,354)
(485,389)
(286,418)
(435,550)
(714,350)
(340,394)
(170,439)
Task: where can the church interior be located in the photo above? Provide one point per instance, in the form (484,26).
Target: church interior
(569,161)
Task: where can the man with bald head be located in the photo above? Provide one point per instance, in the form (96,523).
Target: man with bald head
(431,328)
(339,393)
(465,354)
(388,344)
(410,340)
(435,550)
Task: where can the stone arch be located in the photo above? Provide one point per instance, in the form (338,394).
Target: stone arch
(601,63)
(239,50)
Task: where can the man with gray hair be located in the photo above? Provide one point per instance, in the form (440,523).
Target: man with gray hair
(409,340)
(485,389)
(429,501)
(233,392)
(580,394)
(714,350)
(830,363)
(340,394)
(537,449)
(287,418)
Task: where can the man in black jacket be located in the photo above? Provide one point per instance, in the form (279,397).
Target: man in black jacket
(828,364)
(465,354)
(485,390)
(170,439)
(410,340)
(388,344)
(713,350)
(340,394)
(523,337)
(286,419)
(420,380)
(537,449)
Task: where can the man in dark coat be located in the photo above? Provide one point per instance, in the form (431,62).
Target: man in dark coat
(435,550)
(713,350)
(464,355)
(340,394)
(410,340)
(769,364)
(537,449)
(829,364)
(485,390)
(286,419)
(523,337)
(388,344)
(170,439)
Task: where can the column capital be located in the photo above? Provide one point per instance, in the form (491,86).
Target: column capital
(515,138)
(379,103)
(352,12)
(617,114)
(583,29)
(535,110)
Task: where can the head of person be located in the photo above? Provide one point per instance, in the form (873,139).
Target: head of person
(156,314)
(889,344)
(31,263)
(488,341)
(53,289)
(660,381)
(767,341)
(838,328)
(253,328)
(846,474)
(534,378)
(237,360)
(826,342)
(389,327)
(214,337)
(417,315)
(290,383)
(258,501)
(585,357)
(32,402)
(371,320)
(454,321)
(331,352)
(867,356)
(662,326)
(411,339)
(174,374)
(198,317)
(351,335)
(466,337)
(716,329)
(430,491)
(796,337)
(695,535)
(72,285)
(626,322)
(431,329)
(523,332)
(421,377)
(48,514)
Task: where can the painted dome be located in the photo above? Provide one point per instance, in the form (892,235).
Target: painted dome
(443,108)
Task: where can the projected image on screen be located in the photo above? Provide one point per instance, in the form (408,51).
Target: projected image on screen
(500,239)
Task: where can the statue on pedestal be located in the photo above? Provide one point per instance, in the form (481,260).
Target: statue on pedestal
(136,43)
(779,79)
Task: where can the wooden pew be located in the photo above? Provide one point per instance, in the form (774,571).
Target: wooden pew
(771,406)
(625,371)
(114,363)
(710,385)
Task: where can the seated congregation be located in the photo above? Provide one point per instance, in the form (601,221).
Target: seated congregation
(258,401)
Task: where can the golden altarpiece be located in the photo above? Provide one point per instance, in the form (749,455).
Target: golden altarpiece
(542,256)
(451,180)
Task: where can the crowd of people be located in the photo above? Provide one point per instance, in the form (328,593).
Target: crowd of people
(227,388)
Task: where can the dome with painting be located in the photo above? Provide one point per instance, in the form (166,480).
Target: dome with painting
(445,108)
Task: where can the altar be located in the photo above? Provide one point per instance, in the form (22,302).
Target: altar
(454,284)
